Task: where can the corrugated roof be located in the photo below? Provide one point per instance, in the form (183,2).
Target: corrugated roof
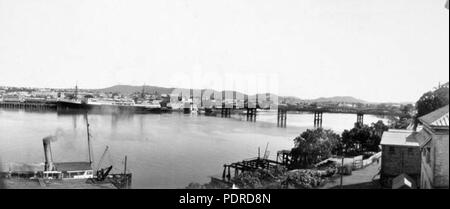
(437,118)
(422,138)
(73,166)
(399,138)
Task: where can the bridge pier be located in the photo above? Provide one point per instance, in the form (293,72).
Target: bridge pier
(281,117)
(224,173)
(234,100)
(318,115)
(251,114)
(208,111)
(360,118)
(226,112)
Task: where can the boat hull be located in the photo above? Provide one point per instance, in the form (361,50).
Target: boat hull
(73,107)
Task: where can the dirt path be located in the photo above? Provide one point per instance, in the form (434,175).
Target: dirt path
(360,179)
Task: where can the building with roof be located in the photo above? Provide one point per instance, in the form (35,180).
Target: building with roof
(70,170)
(434,149)
(403,181)
(400,155)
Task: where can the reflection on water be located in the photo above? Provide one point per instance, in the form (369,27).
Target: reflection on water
(164,151)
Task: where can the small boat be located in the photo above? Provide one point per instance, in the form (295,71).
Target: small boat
(64,170)
(67,172)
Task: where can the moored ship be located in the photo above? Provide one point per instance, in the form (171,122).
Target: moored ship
(106,106)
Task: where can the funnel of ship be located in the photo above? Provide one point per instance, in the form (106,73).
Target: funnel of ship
(48,154)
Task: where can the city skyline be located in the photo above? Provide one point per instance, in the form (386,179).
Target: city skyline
(99,44)
(197,94)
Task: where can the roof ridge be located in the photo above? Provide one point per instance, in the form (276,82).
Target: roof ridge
(439,117)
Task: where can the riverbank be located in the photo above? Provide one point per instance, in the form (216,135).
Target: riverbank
(274,178)
(164,150)
(260,174)
(365,178)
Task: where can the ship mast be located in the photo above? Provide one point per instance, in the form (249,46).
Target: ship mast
(76,91)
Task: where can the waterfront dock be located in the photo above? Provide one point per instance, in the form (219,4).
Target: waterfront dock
(35,106)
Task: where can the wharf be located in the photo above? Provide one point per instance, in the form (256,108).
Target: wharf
(34,106)
(19,183)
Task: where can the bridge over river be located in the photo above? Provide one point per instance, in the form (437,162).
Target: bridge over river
(249,107)
(250,110)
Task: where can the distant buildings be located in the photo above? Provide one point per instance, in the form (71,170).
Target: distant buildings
(12,98)
(341,104)
(44,93)
(434,149)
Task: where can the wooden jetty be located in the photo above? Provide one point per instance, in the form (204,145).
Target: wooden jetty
(247,165)
(33,106)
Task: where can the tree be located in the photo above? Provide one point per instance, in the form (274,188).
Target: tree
(363,138)
(400,123)
(314,145)
(355,139)
(379,127)
(407,109)
(432,100)
(115,94)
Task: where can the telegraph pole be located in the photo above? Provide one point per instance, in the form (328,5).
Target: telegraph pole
(342,167)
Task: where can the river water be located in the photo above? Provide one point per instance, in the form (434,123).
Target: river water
(163,151)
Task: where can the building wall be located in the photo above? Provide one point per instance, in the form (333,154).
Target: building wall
(426,176)
(441,167)
(434,173)
(396,160)
(426,171)
(440,161)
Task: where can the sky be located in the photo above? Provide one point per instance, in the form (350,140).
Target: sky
(376,50)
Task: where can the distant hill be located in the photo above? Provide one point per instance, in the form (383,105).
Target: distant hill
(291,100)
(339,99)
(128,89)
(336,99)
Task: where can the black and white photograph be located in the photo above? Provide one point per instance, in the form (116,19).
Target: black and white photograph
(230,95)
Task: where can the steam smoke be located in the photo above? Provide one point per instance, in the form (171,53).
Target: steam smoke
(57,135)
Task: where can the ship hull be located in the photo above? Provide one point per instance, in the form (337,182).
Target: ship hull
(73,107)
